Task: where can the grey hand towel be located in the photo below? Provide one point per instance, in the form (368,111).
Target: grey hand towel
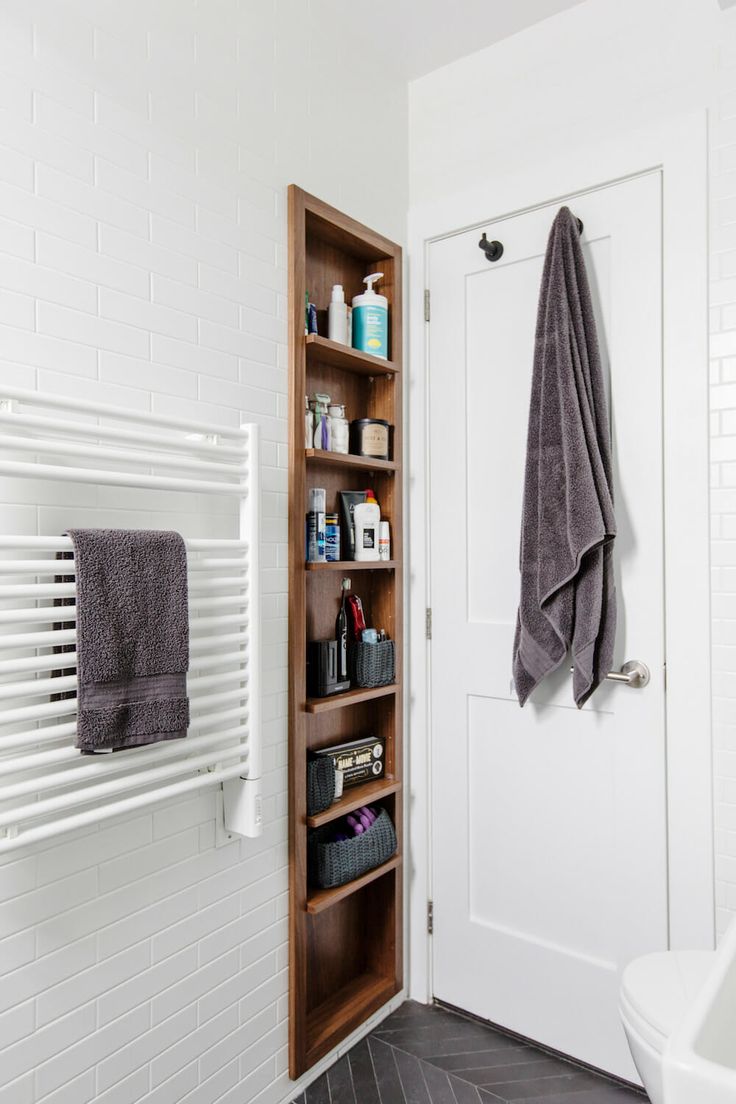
(132,637)
(568,598)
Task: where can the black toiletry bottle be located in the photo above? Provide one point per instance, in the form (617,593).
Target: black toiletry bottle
(341,635)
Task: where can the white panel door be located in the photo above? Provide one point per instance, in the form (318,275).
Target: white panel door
(549,823)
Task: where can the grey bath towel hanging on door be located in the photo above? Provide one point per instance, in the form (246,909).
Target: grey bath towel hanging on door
(568,597)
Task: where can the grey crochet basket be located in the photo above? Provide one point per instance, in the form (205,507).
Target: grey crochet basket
(320,784)
(335,863)
(373,664)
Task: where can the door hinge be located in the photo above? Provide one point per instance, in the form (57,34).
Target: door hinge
(426,304)
(428,623)
(430,917)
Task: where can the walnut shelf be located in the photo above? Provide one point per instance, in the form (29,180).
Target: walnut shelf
(321,349)
(341,968)
(348,697)
(347,1008)
(347,460)
(320,899)
(353,565)
(354,798)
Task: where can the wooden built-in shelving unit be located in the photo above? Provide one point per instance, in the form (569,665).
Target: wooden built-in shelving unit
(345,944)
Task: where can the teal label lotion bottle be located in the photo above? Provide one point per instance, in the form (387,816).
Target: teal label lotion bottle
(370,319)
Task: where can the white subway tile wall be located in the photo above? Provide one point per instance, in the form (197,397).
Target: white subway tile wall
(723,476)
(144,154)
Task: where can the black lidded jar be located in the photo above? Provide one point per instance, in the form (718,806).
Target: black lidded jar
(371,437)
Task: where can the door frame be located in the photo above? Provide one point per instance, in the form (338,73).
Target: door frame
(678,148)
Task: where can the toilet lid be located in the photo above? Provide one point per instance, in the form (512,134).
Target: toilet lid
(660,987)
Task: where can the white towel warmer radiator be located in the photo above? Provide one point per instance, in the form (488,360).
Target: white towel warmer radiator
(46,786)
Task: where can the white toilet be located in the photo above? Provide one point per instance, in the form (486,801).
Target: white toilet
(656,991)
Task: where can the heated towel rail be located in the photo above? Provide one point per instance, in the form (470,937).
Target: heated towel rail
(46,786)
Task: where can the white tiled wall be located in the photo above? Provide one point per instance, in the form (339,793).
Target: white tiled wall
(144,151)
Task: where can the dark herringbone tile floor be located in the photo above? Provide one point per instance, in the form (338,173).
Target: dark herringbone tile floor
(429,1055)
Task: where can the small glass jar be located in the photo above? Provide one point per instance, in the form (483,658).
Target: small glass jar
(339,428)
(308,424)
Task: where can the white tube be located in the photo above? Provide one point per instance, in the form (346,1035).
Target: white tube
(38,663)
(217,564)
(209,701)
(50,614)
(208,662)
(50,734)
(38,590)
(68,660)
(16,641)
(205,623)
(64,544)
(119,785)
(195,442)
(196,582)
(118,808)
(250,531)
(71,754)
(16,468)
(65,708)
(196,685)
(36,567)
(34,688)
(217,717)
(37,688)
(68,567)
(69,590)
(133,455)
(204,643)
(29,736)
(58,637)
(228,745)
(118,414)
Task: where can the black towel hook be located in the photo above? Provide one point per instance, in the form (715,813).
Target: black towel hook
(492,249)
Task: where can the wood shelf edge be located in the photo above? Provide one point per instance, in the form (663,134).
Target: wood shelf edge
(321,899)
(334,354)
(349,460)
(349,697)
(354,565)
(345,1011)
(363,794)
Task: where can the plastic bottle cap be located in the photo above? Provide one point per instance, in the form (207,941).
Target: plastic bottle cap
(370,497)
(338,294)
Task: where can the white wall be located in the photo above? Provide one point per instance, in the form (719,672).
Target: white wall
(144,151)
(612,66)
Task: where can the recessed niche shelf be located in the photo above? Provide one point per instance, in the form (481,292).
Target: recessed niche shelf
(337,979)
